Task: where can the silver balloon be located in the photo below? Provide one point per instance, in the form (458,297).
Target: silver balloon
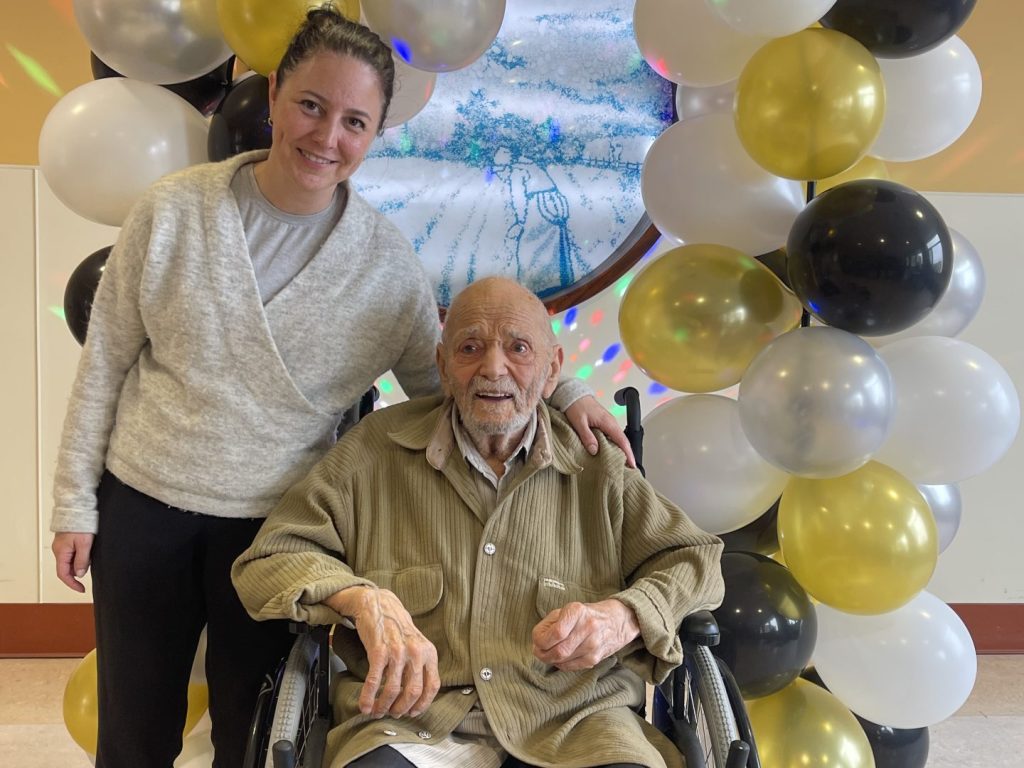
(945,503)
(694,102)
(816,402)
(958,305)
(158,42)
(436,35)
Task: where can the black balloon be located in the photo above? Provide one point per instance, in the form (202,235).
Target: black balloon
(776,262)
(241,122)
(893,29)
(761,535)
(80,290)
(870,257)
(204,92)
(896,747)
(768,625)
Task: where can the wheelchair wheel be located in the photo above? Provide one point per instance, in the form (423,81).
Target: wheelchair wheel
(702,723)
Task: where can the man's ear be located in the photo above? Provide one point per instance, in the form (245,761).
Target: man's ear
(442,369)
(555,368)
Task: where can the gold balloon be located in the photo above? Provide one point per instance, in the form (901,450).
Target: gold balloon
(694,318)
(81,713)
(862,543)
(867,167)
(258,31)
(809,105)
(804,725)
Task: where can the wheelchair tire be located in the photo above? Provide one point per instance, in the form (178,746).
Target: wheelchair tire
(714,720)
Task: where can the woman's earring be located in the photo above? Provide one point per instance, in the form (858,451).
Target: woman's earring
(270,121)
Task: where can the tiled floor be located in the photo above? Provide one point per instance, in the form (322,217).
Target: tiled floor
(988,731)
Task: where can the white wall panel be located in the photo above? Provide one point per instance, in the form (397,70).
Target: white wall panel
(19,542)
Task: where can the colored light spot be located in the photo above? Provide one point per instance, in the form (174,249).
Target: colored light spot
(622,284)
(2,81)
(597,317)
(556,327)
(405,142)
(572,357)
(618,410)
(748,263)
(681,335)
(585,372)
(661,68)
(813,306)
(626,365)
(385,387)
(570,316)
(58,312)
(618,377)
(610,353)
(656,388)
(584,345)
(402,49)
(36,71)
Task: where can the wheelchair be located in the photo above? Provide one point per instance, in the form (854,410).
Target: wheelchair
(699,707)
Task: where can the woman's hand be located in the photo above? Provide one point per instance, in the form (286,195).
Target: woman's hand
(403,677)
(585,415)
(72,552)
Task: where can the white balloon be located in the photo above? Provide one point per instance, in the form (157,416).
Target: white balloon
(945,504)
(757,17)
(930,100)
(698,456)
(693,102)
(910,668)
(413,89)
(816,402)
(957,411)
(104,142)
(700,186)
(158,42)
(686,43)
(960,302)
(436,35)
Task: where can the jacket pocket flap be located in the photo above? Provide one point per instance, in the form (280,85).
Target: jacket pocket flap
(419,587)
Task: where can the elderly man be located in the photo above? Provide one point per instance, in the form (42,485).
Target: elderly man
(502,594)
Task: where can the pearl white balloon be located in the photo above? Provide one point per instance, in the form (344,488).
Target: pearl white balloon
(960,302)
(715,99)
(930,100)
(104,142)
(816,402)
(945,504)
(910,668)
(683,41)
(158,42)
(436,35)
(757,17)
(700,186)
(413,89)
(698,456)
(957,411)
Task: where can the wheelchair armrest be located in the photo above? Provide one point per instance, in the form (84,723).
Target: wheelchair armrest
(700,628)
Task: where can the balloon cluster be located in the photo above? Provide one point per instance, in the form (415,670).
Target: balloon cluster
(166,96)
(852,424)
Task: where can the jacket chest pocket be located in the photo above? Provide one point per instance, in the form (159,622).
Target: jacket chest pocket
(419,587)
(553,593)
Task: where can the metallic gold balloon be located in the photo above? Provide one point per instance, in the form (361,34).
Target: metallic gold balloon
(259,31)
(694,318)
(862,543)
(804,725)
(809,105)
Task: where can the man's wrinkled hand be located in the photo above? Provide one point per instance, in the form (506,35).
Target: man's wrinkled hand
(403,677)
(581,635)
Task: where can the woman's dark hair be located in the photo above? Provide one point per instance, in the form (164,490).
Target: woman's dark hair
(325,29)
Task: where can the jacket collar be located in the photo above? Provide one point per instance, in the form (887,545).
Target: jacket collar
(431,434)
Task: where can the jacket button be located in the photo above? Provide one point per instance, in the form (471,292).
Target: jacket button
(424,734)
(489,549)
(390,732)
(466,691)
(486,674)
